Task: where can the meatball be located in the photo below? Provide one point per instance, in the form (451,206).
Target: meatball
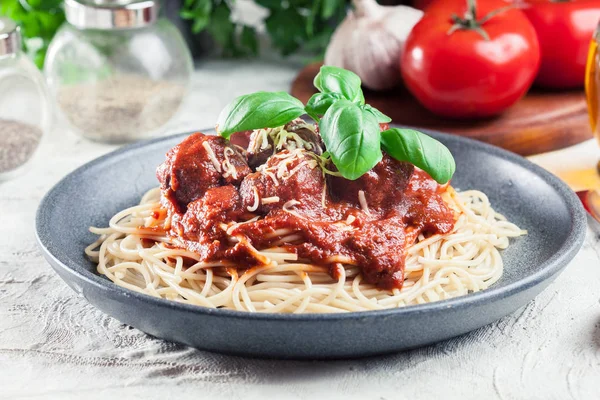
(288,176)
(201,222)
(384,183)
(197,164)
(295,134)
(241,139)
(371,246)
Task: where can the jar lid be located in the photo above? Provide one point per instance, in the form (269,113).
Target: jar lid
(107,14)
(10,37)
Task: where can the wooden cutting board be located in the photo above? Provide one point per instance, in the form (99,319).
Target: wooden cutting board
(542,121)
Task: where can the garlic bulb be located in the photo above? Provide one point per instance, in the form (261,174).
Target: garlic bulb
(370,41)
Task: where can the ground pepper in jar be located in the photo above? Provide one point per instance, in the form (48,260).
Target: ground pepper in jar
(18,142)
(117,70)
(25,113)
(121,106)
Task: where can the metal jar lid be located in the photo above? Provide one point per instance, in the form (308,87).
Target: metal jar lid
(113,14)
(10,37)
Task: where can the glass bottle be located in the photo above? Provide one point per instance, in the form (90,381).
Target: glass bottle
(591,198)
(24,109)
(117,71)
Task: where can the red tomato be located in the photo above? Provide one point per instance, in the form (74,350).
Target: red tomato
(462,74)
(564,30)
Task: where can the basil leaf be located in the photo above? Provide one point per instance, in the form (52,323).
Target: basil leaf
(249,40)
(381,117)
(330,7)
(319,103)
(352,137)
(258,110)
(338,80)
(420,150)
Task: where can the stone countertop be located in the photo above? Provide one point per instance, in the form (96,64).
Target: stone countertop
(54,345)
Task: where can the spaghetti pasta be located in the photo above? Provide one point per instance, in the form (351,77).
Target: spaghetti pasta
(442,266)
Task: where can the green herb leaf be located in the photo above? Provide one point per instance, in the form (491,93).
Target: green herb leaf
(220,26)
(258,110)
(352,137)
(420,150)
(200,22)
(338,80)
(329,7)
(39,21)
(381,117)
(319,103)
(310,19)
(248,40)
(287,29)
(199,11)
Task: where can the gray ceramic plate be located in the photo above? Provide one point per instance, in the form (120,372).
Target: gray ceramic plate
(526,194)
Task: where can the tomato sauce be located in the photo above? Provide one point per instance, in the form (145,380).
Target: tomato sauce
(296,200)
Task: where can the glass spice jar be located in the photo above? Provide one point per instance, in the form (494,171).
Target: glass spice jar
(118,72)
(25,113)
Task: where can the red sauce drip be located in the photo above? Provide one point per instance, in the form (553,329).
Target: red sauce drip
(323,213)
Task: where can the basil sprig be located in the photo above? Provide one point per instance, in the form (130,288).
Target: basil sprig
(349,128)
(258,110)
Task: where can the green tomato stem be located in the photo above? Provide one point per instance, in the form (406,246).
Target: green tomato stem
(470,22)
(471,15)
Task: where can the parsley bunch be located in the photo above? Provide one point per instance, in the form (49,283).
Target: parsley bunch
(292,25)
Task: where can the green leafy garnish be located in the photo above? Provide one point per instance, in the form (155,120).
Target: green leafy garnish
(420,150)
(349,128)
(351,136)
(339,80)
(318,104)
(258,110)
(381,117)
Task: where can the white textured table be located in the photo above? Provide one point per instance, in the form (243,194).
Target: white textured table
(53,344)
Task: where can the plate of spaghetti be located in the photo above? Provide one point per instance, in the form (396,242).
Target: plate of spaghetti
(278,236)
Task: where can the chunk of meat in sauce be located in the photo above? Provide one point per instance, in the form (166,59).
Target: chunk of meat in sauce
(286,176)
(201,222)
(379,247)
(308,133)
(300,135)
(383,185)
(197,164)
(241,139)
(201,231)
(424,207)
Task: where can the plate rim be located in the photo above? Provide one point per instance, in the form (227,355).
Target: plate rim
(550,267)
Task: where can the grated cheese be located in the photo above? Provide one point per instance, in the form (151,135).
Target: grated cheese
(212,156)
(254,206)
(270,200)
(363,202)
(227,165)
(289,204)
